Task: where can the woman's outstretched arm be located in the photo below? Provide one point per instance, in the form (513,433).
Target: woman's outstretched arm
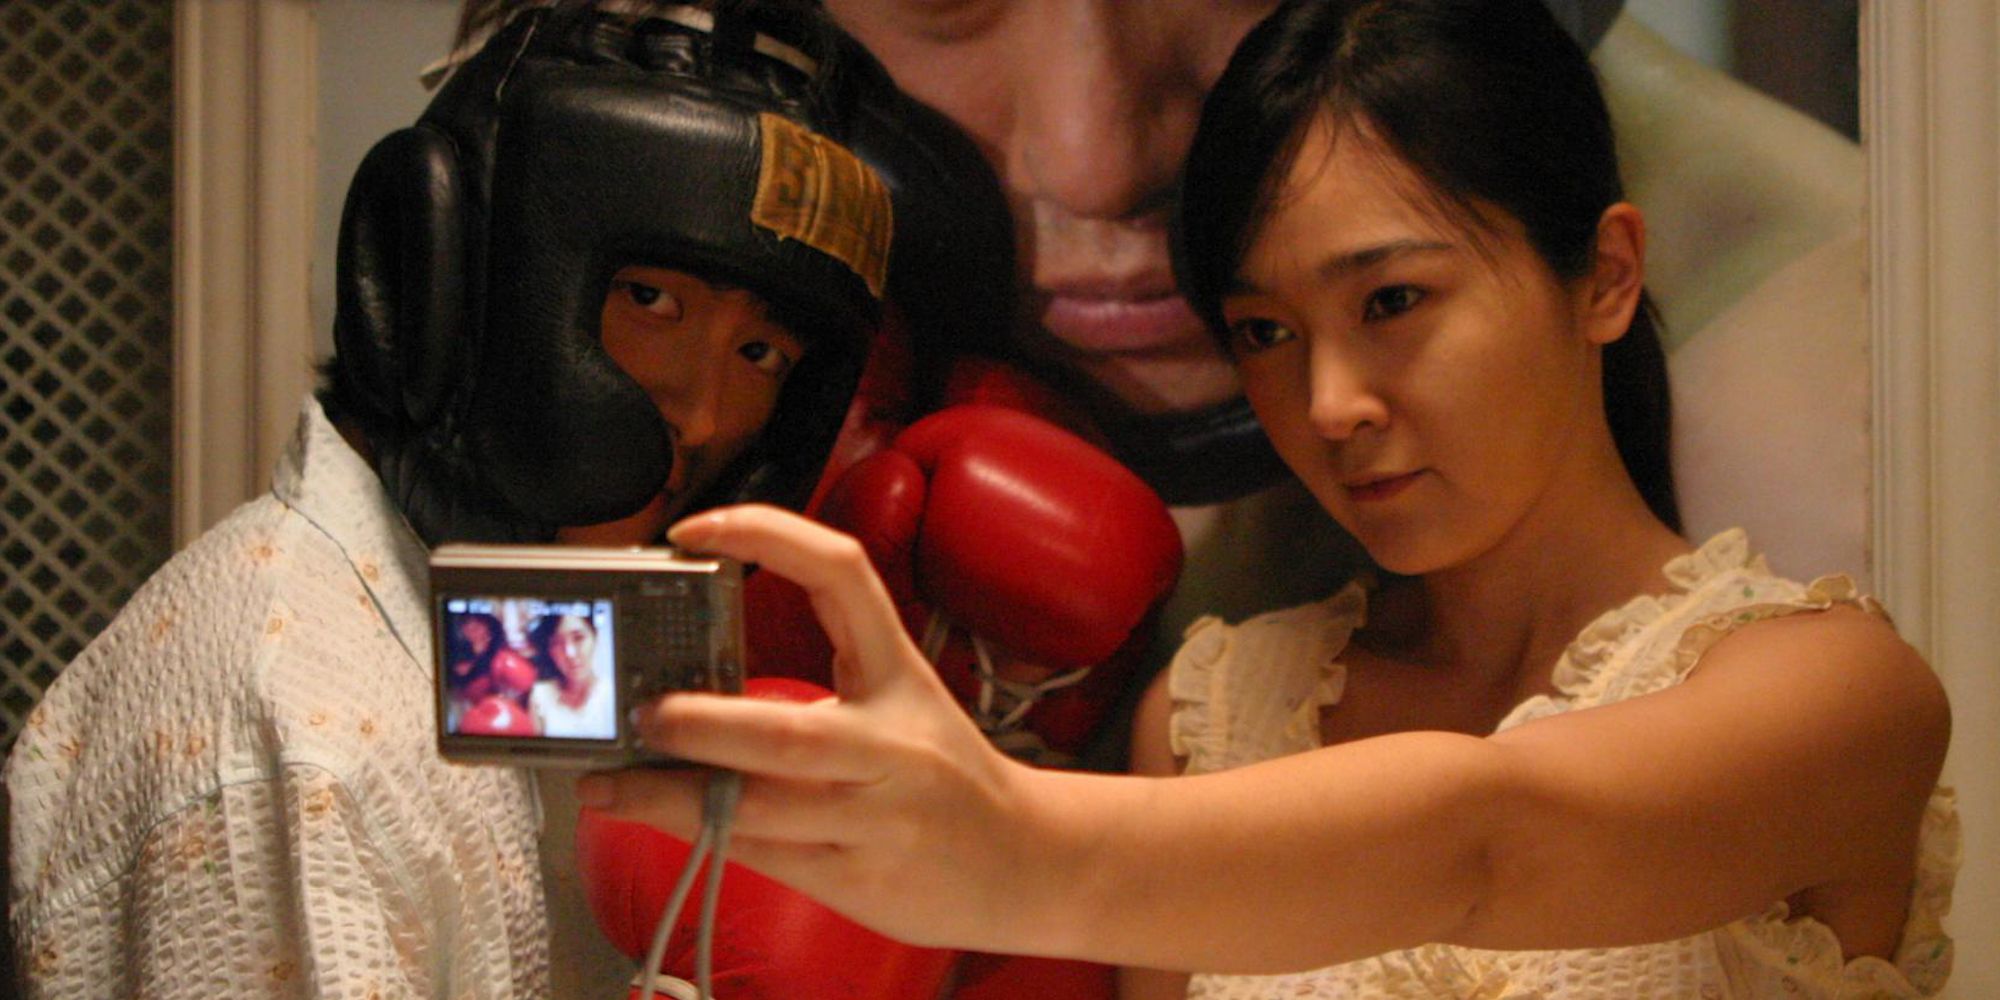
(1152,755)
(1798,756)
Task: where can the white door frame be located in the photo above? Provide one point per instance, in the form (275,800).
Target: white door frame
(245,153)
(1931,114)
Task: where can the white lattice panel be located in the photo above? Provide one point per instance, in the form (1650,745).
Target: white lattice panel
(85,221)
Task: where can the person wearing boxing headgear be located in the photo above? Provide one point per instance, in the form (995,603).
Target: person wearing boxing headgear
(533,422)
(621,268)
(952,234)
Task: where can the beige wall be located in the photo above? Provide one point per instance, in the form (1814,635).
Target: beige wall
(369,52)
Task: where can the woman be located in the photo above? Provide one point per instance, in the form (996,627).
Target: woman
(574,697)
(1558,753)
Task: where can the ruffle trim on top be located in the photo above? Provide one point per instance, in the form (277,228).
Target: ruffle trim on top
(1819,595)
(1198,686)
(1809,950)
(1217,717)
(1612,632)
(1598,656)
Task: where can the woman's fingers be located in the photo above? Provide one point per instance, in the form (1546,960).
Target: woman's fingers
(852,603)
(792,812)
(806,867)
(815,742)
(768,810)
(668,799)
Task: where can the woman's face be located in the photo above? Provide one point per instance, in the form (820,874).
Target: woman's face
(572,646)
(712,361)
(1428,381)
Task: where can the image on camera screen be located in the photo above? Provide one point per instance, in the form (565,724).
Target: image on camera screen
(530,666)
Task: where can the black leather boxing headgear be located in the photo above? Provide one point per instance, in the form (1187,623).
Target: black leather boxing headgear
(477,248)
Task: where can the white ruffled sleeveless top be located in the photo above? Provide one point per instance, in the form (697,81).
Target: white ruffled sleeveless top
(1254,691)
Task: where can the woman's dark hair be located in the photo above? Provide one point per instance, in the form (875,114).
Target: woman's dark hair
(458,649)
(1489,101)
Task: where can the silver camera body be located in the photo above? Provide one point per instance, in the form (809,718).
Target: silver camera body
(543,651)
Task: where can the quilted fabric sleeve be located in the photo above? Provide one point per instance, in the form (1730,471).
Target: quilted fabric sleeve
(266,888)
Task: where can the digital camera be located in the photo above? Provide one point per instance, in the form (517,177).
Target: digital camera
(543,651)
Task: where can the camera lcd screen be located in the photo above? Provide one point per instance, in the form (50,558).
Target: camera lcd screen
(518,666)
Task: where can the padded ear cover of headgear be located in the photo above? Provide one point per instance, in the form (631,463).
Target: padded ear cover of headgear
(412,246)
(408,278)
(402,280)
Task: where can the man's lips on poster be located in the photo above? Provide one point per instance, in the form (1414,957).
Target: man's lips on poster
(1107,318)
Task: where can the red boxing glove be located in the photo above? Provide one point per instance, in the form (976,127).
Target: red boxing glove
(784,639)
(789,641)
(1047,551)
(771,943)
(497,715)
(512,673)
(469,691)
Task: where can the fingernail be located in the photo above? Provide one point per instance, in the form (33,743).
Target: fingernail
(692,528)
(594,791)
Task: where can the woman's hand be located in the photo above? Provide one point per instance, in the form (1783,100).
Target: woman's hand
(886,803)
